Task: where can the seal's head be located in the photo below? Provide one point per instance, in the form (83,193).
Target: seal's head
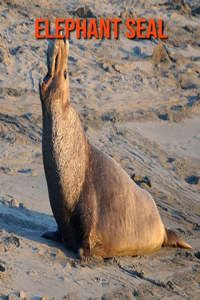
(55,85)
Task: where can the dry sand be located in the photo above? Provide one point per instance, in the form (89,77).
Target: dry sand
(140,108)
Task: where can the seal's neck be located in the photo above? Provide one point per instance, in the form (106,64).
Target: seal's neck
(69,148)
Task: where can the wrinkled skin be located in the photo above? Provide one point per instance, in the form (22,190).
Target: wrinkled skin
(99,210)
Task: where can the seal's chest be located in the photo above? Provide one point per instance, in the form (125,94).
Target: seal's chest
(59,144)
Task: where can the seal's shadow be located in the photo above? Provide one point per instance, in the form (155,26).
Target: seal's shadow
(30,225)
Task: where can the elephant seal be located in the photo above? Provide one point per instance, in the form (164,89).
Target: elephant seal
(98,208)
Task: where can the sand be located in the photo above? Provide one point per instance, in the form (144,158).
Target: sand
(139,101)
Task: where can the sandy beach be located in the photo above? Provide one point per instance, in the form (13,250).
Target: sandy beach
(139,101)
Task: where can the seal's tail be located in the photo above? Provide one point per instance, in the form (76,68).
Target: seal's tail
(173,240)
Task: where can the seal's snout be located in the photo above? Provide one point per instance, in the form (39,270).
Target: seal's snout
(57,54)
(56,78)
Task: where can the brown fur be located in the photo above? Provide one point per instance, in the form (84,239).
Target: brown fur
(98,208)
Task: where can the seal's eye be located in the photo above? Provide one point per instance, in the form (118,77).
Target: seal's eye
(65,74)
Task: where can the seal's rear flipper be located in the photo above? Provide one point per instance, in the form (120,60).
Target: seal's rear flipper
(173,240)
(52,235)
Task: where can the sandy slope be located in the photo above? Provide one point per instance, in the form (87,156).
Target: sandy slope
(142,110)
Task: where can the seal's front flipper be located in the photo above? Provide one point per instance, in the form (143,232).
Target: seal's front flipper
(83,254)
(53,235)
